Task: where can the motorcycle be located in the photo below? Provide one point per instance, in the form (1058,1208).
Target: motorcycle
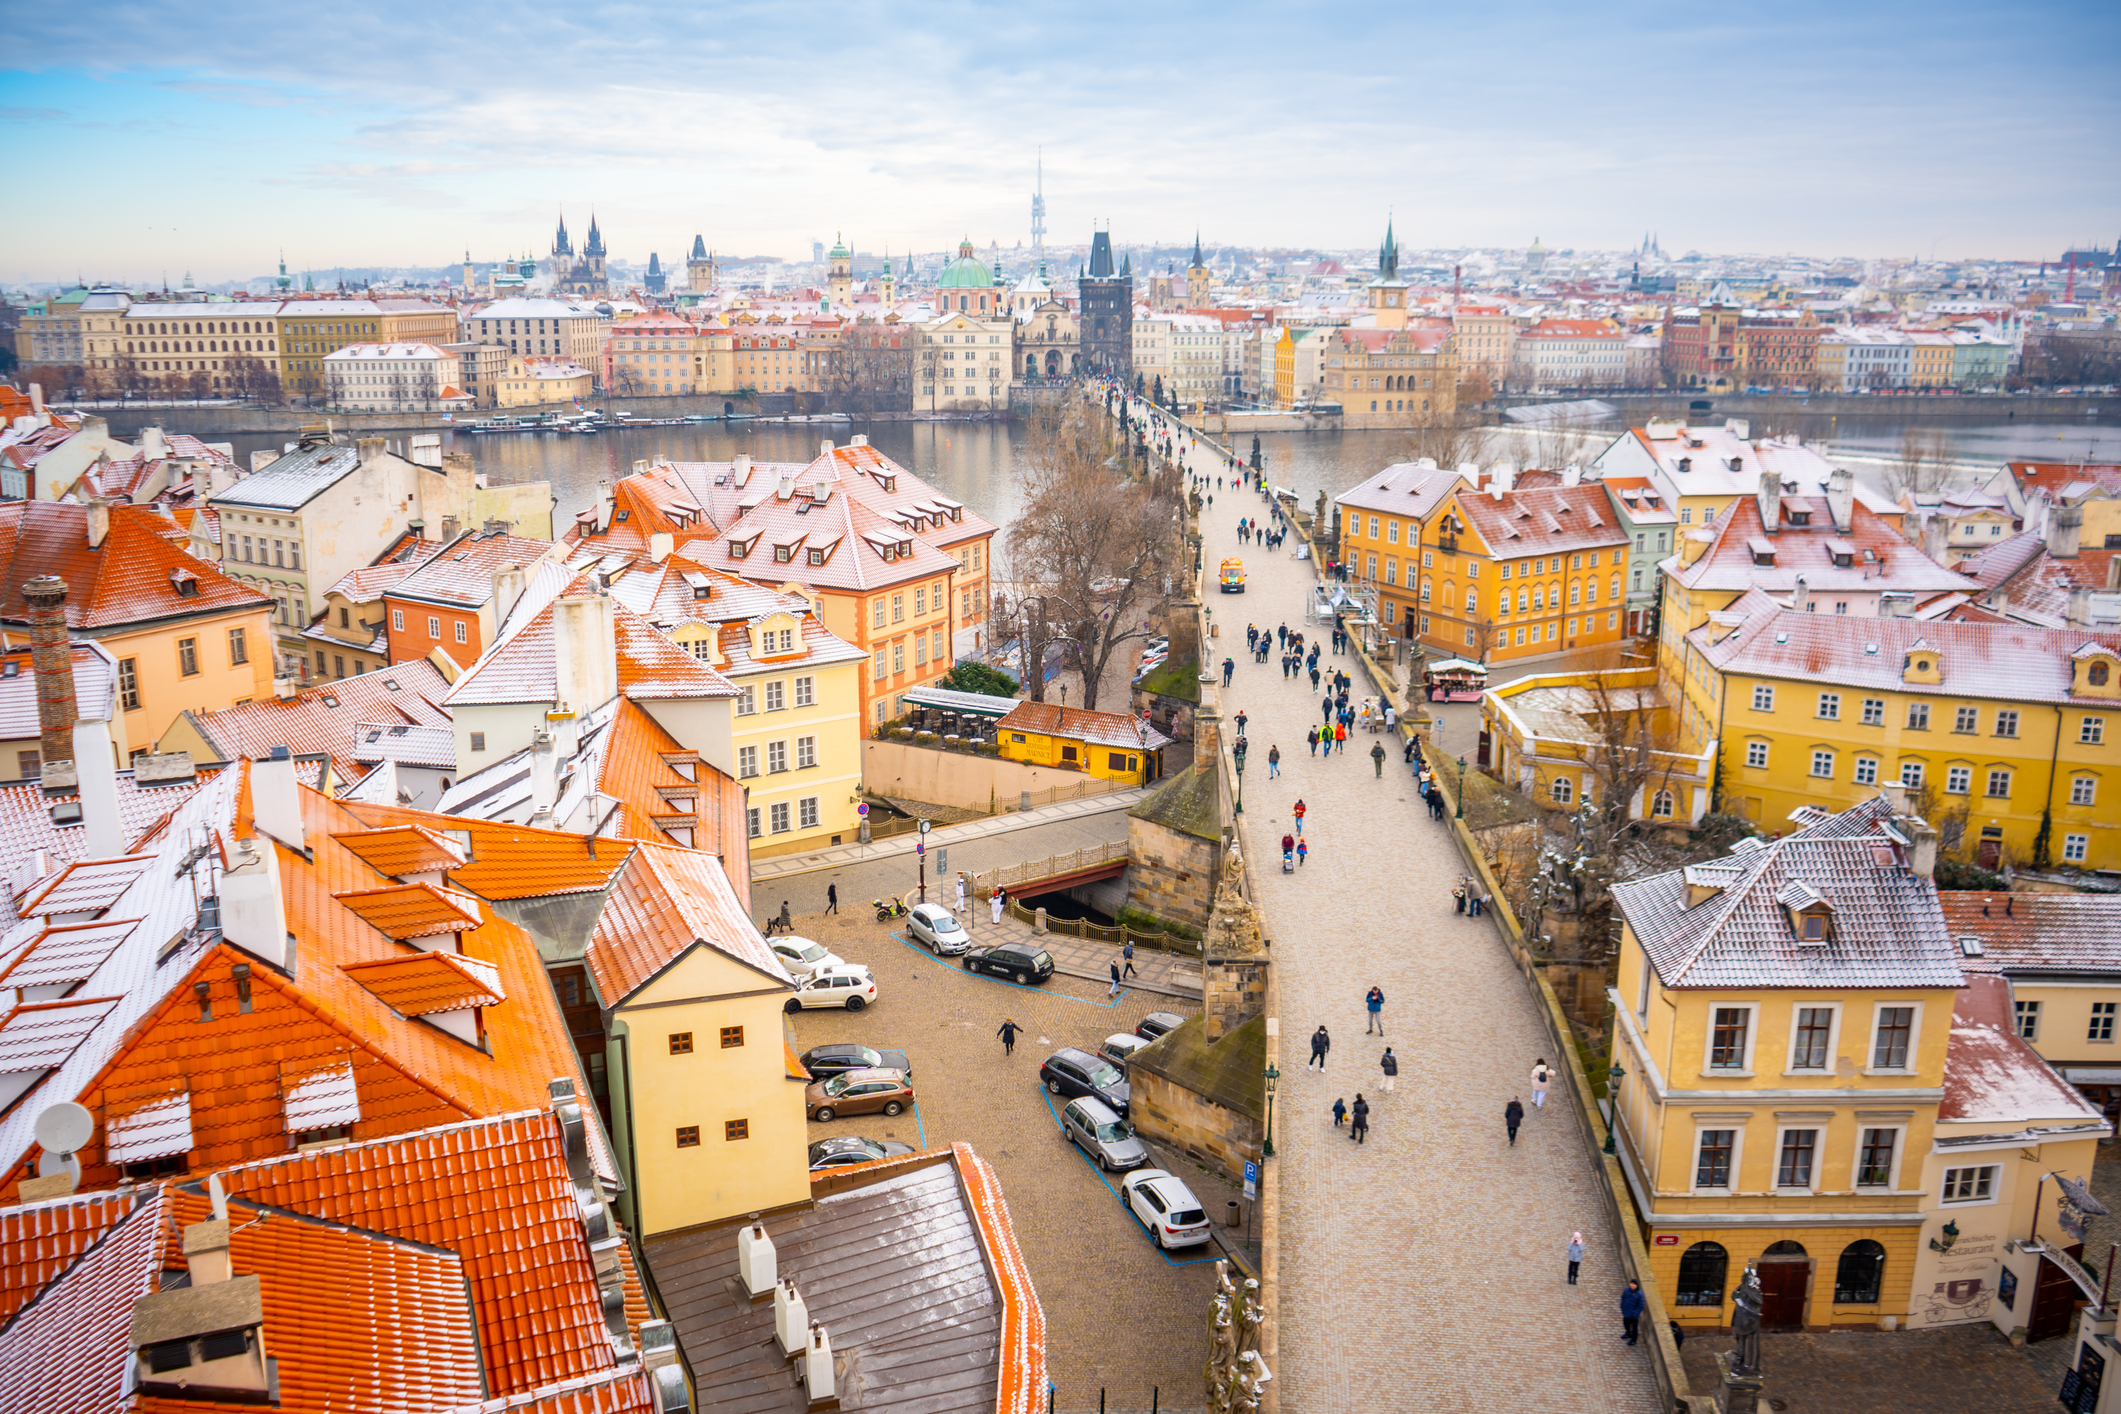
(888,909)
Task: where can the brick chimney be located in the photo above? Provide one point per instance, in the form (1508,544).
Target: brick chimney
(2065,525)
(53,659)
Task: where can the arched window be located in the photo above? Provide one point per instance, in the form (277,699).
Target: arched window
(1661,805)
(2096,675)
(1785,1248)
(1860,1274)
(1701,1270)
(1563,790)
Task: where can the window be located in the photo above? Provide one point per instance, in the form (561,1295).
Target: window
(778,814)
(2028,1020)
(478,741)
(397,621)
(1661,805)
(736,1129)
(1727,1038)
(2075,847)
(1874,711)
(688,1136)
(1970,1185)
(876,671)
(2102,1027)
(1814,1034)
(1823,763)
(747,762)
(1701,1269)
(188,657)
(1563,790)
(1712,1162)
(1896,1027)
(1756,753)
(898,608)
(1958,780)
(1999,784)
(879,621)
(1860,1274)
(1830,706)
(129,684)
(463,632)
(1911,774)
(806,692)
(776,757)
(1866,770)
(920,601)
(806,812)
(2007,722)
(751,813)
(434,628)
(1763,699)
(776,695)
(1794,1168)
(747,703)
(680,1041)
(2091,731)
(732,1037)
(238,650)
(1966,719)
(28,765)
(1918,716)
(805,752)
(1874,1158)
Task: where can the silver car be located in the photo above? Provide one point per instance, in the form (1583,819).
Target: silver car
(1109,1140)
(802,957)
(1120,1048)
(937,926)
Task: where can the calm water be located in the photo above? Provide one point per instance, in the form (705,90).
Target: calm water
(973,461)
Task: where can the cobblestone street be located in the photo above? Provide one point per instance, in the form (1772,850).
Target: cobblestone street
(1425,1269)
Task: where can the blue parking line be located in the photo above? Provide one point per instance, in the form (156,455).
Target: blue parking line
(1100,1175)
(918,1127)
(928,956)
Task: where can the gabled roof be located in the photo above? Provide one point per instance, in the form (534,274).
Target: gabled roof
(1879,559)
(461,572)
(67,1351)
(367,584)
(1992,1076)
(1109,729)
(291,482)
(38,1241)
(323,719)
(523,668)
(511,861)
(397,850)
(665,902)
(405,911)
(422,983)
(1403,489)
(131,578)
(2027,935)
(1541,520)
(434,746)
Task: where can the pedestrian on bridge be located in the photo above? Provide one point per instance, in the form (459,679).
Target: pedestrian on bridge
(1302,852)
(1340,1112)
(1298,811)
(1540,1078)
(1340,738)
(1390,1065)
(1008,1035)
(1575,1255)
(1374,1000)
(1631,1303)
(1273,762)
(1320,1044)
(1360,1130)
(1311,736)
(1512,1116)
(1377,759)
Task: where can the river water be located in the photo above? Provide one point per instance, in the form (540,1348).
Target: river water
(973,461)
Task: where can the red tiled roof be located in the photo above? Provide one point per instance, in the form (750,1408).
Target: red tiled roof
(666,901)
(404,911)
(1991,1075)
(128,579)
(2024,934)
(1403,489)
(322,719)
(1115,729)
(421,983)
(1808,550)
(461,572)
(522,669)
(66,1352)
(397,850)
(512,861)
(368,583)
(1541,520)
(40,1240)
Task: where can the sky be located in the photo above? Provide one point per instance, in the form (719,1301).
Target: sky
(210,139)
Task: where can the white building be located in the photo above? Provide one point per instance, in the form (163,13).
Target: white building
(967,364)
(1873,358)
(536,327)
(1569,353)
(1196,359)
(393,378)
(1152,346)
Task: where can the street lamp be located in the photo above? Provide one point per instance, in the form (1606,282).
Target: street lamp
(1612,1093)
(1237,753)
(1270,1075)
(1461,787)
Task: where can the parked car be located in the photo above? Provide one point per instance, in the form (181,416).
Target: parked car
(824,1062)
(1120,1049)
(1021,963)
(842,984)
(938,927)
(858,1092)
(1156,1023)
(802,957)
(838,1153)
(1166,1207)
(1069,1071)
(1090,1125)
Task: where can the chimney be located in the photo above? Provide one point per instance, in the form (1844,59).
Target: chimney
(757,1262)
(96,773)
(2079,612)
(1841,498)
(785,490)
(1800,597)
(153,445)
(544,780)
(584,652)
(285,687)
(98,522)
(449,529)
(818,1381)
(660,545)
(206,1252)
(1922,848)
(36,402)
(606,503)
(1572,475)
(740,469)
(859,439)
(1738,427)
(509,582)
(1895,793)
(275,799)
(372,449)
(2064,525)
(791,1318)
(824,449)
(53,659)
(1933,538)
(1769,495)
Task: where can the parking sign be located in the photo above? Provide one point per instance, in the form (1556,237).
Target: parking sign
(1251,1179)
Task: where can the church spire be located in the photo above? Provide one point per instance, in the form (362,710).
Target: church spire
(1197,261)
(1388,254)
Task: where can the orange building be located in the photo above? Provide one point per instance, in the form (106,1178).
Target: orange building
(1509,574)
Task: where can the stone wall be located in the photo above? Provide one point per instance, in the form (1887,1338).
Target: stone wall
(1171,873)
(1234,991)
(1177,1118)
(933,776)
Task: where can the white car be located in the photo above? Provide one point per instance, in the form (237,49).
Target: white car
(937,926)
(802,957)
(1166,1207)
(841,984)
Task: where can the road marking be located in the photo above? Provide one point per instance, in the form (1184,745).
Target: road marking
(928,956)
(1099,1174)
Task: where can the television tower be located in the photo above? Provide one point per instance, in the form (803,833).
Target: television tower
(1038,216)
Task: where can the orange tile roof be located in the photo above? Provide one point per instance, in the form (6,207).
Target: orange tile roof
(412,910)
(65,1352)
(85,886)
(522,668)
(40,1240)
(421,983)
(323,718)
(665,902)
(130,578)
(614,1392)
(399,850)
(511,861)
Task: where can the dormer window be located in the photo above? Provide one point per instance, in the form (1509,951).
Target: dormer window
(816,557)
(1811,916)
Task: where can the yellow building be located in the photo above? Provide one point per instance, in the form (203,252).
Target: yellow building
(711,1125)
(1285,368)
(1930,359)
(541,382)
(1380,529)
(2062,955)
(1546,736)
(1109,745)
(308,329)
(2009,736)
(1782,1017)
(1514,573)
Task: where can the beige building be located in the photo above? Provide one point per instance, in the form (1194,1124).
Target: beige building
(162,338)
(540,328)
(393,378)
(310,329)
(541,382)
(1485,339)
(1196,360)
(967,364)
(1152,347)
(81,328)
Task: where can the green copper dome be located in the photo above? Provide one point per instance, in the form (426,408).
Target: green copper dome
(965,273)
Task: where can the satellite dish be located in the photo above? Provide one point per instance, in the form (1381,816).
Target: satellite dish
(64,1128)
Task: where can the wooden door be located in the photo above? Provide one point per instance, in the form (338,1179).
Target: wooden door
(2055,1299)
(1784,1289)
(1989,853)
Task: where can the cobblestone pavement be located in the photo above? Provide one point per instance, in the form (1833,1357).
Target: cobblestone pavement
(1945,1371)
(1425,1269)
(1120,1317)
(1174,974)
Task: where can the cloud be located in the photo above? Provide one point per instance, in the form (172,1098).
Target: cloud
(34,115)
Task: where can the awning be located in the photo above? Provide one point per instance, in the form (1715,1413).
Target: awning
(155,1130)
(2092,1075)
(324,1098)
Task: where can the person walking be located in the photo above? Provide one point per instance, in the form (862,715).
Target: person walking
(1273,762)
(1314,677)
(1115,981)
(1377,759)
(1360,1130)
(787,924)
(961,890)
(1340,1113)
(1512,1116)
(1241,721)
(832,898)
(1540,1076)
(1458,899)
(1389,1063)
(1311,736)
(1320,1044)
(999,901)
(1375,1001)
(1303,851)
(1340,738)
(1631,1303)
(1288,848)
(1298,811)
(1126,952)
(1008,1035)
(1575,1255)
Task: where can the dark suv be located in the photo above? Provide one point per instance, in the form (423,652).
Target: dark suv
(1071,1072)
(1021,963)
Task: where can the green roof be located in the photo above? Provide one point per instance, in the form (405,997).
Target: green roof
(1228,1071)
(966,272)
(1184,802)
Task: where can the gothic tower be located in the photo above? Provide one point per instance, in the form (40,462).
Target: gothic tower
(699,267)
(1107,310)
(1388,293)
(593,257)
(1198,281)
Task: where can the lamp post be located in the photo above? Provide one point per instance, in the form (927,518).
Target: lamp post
(1612,1090)
(1270,1074)
(1237,754)
(1461,787)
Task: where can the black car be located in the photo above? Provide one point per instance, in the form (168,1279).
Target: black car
(1019,962)
(1071,1072)
(1156,1023)
(838,1153)
(824,1062)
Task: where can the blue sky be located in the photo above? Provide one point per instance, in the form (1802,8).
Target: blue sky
(209,140)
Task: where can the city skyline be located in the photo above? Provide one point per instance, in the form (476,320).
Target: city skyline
(1901,133)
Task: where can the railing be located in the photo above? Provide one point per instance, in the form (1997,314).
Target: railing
(1054,795)
(1051,867)
(1054,866)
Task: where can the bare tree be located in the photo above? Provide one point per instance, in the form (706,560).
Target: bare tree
(1923,467)
(1474,388)
(1453,442)
(1092,548)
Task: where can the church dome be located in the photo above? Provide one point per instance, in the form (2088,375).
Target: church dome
(965,272)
